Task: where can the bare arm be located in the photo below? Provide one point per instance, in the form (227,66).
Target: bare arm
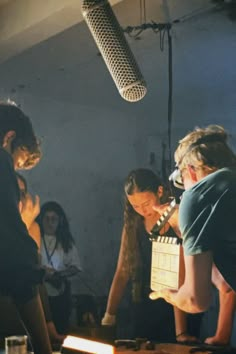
(225,319)
(119,282)
(116,292)
(30,210)
(37,329)
(174,221)
(218,280)
(195,294)
(227,301)
(34,232)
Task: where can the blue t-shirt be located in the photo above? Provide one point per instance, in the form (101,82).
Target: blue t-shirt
(207,216)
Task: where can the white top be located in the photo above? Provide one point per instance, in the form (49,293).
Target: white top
(58,260)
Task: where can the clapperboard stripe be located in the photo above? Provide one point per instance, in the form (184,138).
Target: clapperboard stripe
(163,220)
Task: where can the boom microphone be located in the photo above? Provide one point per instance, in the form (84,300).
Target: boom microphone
(114,49)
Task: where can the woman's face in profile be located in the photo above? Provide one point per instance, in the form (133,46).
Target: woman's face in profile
(143,202)
(50,222)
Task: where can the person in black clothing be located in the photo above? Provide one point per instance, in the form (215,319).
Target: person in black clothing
(29,211)
(143,190)
(19,270)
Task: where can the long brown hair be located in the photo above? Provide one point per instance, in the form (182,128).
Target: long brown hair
(63,232)
(139,180)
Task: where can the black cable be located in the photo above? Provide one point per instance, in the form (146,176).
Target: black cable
(156,27)
(162,29)
(170,94)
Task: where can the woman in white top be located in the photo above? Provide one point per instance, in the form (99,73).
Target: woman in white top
(60,258)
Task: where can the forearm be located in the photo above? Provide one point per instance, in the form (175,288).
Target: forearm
(36,328)
(191,302)
(180,321)
(183,299)
(116,292)
(195,294)
(226,314)
(45,302)
(174,221)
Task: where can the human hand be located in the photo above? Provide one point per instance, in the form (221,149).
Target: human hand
(30,209)
(173,221)
(166,294)
(108,320)
(161,208)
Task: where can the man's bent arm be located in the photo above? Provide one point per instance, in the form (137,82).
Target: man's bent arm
(195,294)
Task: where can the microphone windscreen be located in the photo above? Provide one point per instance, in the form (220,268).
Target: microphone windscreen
(114,49)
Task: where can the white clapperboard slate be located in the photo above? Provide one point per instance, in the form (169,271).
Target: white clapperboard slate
(167,265)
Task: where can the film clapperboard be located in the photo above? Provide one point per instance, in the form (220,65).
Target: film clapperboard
(167,265)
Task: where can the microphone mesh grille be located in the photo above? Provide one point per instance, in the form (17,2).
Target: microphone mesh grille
(114,49)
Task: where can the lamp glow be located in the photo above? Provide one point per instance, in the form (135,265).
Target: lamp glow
(87,346)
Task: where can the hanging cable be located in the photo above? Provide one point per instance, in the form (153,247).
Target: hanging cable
(162,29)
(170,96)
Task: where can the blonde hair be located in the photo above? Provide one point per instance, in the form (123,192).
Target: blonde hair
(205,148)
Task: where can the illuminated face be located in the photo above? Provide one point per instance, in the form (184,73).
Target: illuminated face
(143,202)
(50,222)
(20,156)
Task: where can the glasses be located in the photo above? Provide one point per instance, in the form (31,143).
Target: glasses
(176,178)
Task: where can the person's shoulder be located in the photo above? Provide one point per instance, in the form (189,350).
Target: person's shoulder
(222,173)
(224,177)
(4,155)
(6,163)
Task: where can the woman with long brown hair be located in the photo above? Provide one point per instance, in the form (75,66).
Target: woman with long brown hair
(153,320)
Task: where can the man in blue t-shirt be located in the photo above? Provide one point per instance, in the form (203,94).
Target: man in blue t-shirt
(206,168)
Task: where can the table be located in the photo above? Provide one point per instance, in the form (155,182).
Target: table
(163,348)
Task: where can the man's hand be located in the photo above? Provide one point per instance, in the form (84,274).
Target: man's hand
(166,294)
(30,209)
(173,220)
(195,294)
